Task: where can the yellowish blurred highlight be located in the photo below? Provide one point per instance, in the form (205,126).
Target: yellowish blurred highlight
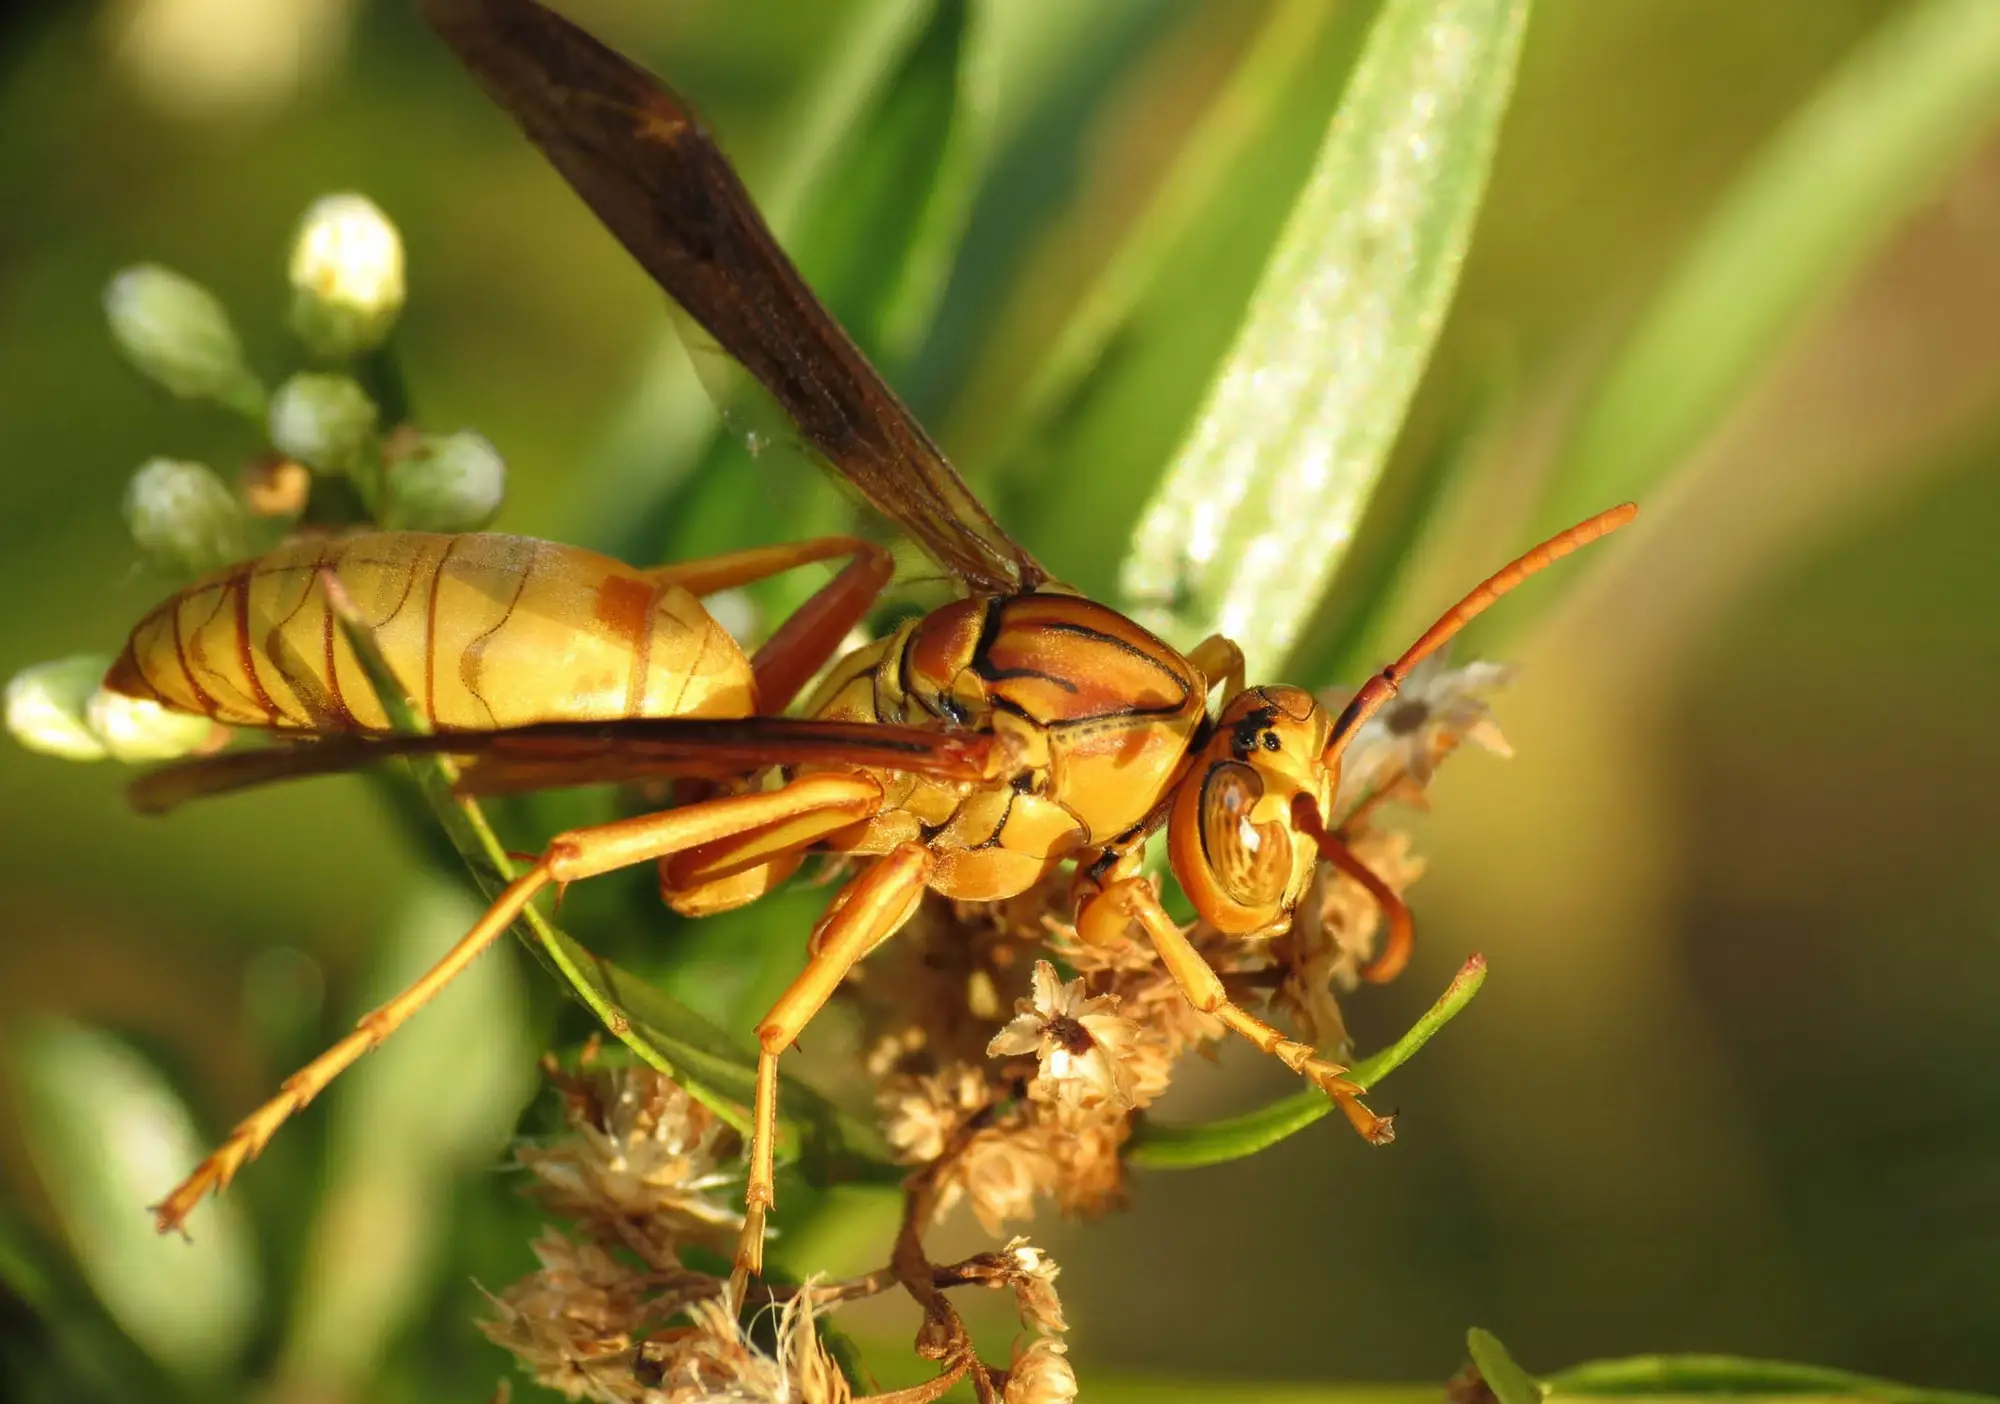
(219,58)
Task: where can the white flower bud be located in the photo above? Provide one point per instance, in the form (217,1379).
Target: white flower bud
(139,729)
(175,332)
(449,482)
(47,707)
(185,518)
(326,422)
(347,276)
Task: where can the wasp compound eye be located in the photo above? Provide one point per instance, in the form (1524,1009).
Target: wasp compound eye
(1251,862)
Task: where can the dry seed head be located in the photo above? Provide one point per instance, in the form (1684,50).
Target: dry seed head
(572,1323)
(712,1360)
(1000,1174)
(1082,1043)
(1033,1278)
(921,1112)
(640,1151)
(1436,708)
(1040,1373)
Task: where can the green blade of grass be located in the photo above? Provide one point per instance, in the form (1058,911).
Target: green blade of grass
(1665,1376)
(1081,473)
(73,1350)
(1909,106)
(109,1136)
(1164,1146)
(1230,133)
(1509,1383)
(1256,510)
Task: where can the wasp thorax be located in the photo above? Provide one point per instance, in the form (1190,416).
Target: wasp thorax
(1235,849)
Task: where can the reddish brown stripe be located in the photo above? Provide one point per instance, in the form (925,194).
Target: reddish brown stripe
(277,647)
(245,658)
(622,611)
(408,565)
(642,653)
(689,673)
(430,633)
(470,662)
(205,703)
(343,714)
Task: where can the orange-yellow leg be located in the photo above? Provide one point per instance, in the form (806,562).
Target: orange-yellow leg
(1219,660)
(812,633)
(580,853)
(864,914)
(1133,899)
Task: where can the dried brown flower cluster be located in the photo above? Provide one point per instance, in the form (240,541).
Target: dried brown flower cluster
(1001,1079)
(1039,1105)
(615,1316)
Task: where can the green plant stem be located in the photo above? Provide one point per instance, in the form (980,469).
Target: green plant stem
(1162,1146)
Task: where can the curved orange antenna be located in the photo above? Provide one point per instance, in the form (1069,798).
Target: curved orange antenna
(1384,685)
(1401,939)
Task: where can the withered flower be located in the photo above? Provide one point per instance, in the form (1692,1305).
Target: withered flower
(572,1323)
(1001,1172)
(641,1154)
(1082,1042)
(1040,1373)
(712,1360)
(1033,1279)
(921,1112)
(1436,708)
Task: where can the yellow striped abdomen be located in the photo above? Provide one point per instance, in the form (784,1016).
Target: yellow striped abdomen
(484,631)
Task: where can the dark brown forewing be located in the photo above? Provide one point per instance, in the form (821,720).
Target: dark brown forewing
(643,162)
(553,754)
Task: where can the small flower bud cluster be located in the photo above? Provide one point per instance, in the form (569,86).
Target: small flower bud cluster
(62,709)
(347,280)
(322,423)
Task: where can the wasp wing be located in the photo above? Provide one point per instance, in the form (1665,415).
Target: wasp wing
(643,162)
(549,755)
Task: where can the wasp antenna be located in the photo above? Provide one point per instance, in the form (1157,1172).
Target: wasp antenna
(1379,689)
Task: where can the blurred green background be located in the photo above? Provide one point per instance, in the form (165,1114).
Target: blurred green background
(1731,1085)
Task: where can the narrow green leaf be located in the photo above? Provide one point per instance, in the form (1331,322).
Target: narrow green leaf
(1230,133)
(1130,1391)
(1734,1376)
(1910,105)
(1163,1146)
(1082,475)
(1509,1382)
(80,1352)
(109,1137)
(1259,505)
(1344,640)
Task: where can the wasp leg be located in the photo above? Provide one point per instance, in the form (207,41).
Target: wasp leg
(1219,659)
(812,633)
(1133,898)
(864,914)
(581,853)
